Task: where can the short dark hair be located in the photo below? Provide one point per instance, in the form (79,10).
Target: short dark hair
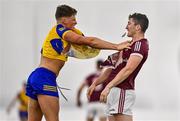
(64,11)
(140,19)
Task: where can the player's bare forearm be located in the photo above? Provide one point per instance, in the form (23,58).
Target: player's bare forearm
(120,77)
(104,75)
(99,43)
(98,81)
(102,44)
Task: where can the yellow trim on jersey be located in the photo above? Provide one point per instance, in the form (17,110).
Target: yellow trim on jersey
(65,33)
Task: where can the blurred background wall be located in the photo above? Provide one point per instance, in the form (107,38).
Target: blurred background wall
(25,24)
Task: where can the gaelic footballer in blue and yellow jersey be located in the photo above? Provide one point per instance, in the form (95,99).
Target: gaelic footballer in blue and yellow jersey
(42,80)
(54,46)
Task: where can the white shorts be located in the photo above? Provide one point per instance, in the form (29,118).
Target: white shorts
(120,101)
(96,109)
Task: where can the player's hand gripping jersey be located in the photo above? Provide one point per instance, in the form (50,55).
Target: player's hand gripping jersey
(55,47)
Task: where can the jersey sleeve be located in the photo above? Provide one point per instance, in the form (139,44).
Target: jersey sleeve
(139,49)
(61,30)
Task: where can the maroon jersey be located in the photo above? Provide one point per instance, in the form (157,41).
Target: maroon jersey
(118,61)
(97,92)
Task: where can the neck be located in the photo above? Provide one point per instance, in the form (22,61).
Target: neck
(138,37)
(59,22)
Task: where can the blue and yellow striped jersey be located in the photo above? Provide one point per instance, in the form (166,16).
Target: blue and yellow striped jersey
(54,43)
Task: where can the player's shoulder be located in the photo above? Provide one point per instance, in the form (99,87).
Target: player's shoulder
(140,47)
(61,28)
(58,28)
(143,43)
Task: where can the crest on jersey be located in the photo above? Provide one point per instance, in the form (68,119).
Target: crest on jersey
(61,28)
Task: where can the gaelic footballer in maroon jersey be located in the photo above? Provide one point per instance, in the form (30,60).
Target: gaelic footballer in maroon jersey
(124,66)
(118,60)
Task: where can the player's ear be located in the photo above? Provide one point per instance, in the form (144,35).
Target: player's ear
(138,27)
(63,20)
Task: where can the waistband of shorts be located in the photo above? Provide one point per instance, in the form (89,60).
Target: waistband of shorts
(42,69)
(124,89)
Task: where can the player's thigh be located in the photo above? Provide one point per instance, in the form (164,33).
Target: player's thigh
(49,106)
(34,110)
(102,118)
(122,117)
(90,119)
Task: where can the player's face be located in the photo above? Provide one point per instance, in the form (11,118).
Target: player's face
(70,22)
(131,28)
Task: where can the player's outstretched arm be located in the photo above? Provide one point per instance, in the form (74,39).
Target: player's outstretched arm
(93,42)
